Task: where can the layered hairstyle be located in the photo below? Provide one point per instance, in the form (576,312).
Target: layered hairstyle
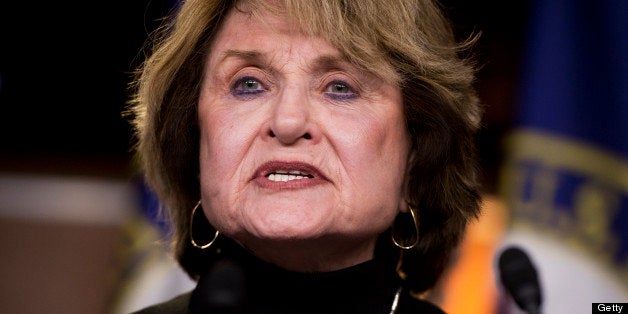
(407,42)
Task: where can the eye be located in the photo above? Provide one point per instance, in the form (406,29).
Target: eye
(340,90)
(247,86)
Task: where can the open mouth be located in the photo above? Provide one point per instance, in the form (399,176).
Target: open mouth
(287,175)
(289,171)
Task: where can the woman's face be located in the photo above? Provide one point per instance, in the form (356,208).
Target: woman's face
(299,149)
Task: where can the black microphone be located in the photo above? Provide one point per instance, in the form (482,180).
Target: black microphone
(220,291)
(519,277)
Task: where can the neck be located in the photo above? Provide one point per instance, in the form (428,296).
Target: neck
(367,287)
(321,255)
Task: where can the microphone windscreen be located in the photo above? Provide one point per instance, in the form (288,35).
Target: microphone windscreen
(519,277)
(221,290)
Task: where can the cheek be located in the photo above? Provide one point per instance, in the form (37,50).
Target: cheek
(217,149)
(220,159)
(212,164)
(221,153)
(375,146)
(224,135)
(374,153)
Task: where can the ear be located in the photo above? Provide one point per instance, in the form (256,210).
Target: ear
(403,197)
(403,206)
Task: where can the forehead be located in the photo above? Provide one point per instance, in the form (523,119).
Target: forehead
(321,24)
(265,32)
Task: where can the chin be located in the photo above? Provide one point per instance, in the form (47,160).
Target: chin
(286,229)
(285,218)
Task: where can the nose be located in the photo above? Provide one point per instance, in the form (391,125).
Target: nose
(291,119)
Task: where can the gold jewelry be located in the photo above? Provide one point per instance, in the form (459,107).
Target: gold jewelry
(393,308)
(196,245)
(404,244)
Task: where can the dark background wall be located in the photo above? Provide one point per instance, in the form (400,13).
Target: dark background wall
(64,70)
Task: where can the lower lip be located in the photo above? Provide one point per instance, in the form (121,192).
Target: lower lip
(288,185)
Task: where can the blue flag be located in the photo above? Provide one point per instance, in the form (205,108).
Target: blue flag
(566,169)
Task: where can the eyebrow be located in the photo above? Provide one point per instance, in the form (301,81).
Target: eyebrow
(326,63)
(251,55)
(321,64)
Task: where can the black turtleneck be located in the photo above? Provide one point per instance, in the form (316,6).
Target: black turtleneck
(245,284)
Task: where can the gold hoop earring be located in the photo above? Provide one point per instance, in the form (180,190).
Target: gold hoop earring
(196,245)
(413,244)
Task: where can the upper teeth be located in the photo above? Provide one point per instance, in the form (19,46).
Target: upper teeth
(284,175)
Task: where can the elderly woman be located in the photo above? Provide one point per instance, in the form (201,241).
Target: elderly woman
(314,156)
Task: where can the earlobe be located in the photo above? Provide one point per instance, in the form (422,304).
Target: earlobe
(405,199)
(403,206)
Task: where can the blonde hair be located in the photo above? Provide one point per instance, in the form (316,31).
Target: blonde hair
(407,42)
